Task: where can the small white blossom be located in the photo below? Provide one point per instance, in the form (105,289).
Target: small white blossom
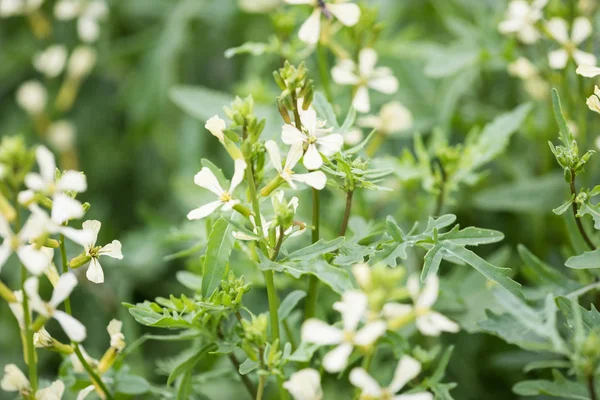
(45,181)
(32,97)
(363,77)
(314,179)
(35,259)
(314,137)
(9,8)
(521,18)
(14,380)
(85,392)
(362,274)
(53,392)
(258,6)
(429,322)
(310,31)
(353,136)
(74,329)
(95,273)
(535,85)
(216,126)
(42,339)
(17,309)
(593,102)
(408,368)
(117,339)
(392,118)
(81,62)
(61,135)
(207,180)
(88,14)
(51,62)
(352,307)
(588,71)
(581,30)
(305,385)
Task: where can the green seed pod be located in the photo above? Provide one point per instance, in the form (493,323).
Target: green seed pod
(279,80)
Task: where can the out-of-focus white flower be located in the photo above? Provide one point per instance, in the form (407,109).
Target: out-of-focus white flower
(593,102)
(32,97)
(117,339)
(216,126)
(392,118)
(9,8)
(314,179)
(51,62)
(521,18)
(85,392)
(363,77)
(408,368)
(74,329)
(305,385)
(53,392)
(61,135)
(362,274)
(597,142)
(580,31)
(314,137)
(589,71)
(310,31)
(352,307)
(258,6)
(353,136)
(14,380)
(535,85)
(207,180)
(81,62)
(429,322)
(88,14)
(17,309)
(35,259)
(95,273)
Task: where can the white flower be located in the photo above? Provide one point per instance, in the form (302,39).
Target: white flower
(362,274)
(117,339)
(10,8)
(88,14)
(216,126)
(353,136)
(521,18)
(42,339)
(581,30)
(258,6)
(593,102)
(32,97)
(35,259)
(85,392)
(408,368)
(363,77)
(64,208)
(14,380)
(61,135)
(429,322)
(305,385)
(95,273)
(352,307)
(207,180)
(51,61)
(17,309)
(315,179)
(45,181)
(597,142)
(588,71)
(522,68)
(312,137)
(81,62)
(74,329)
(53,392)
(310,32)
(392,118)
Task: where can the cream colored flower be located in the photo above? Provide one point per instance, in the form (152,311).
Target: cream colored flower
(593,102)
(393,118)
(521,18)
(51,62)
(580,31)
(32,97)
(305,385)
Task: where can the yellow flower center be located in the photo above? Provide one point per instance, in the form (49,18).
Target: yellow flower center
(225,197)
(312,139)
(348,336)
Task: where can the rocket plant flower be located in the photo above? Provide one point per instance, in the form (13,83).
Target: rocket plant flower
(580,31)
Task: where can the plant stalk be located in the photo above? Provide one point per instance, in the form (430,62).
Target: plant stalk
(31,354)
(349,195)
(313,281)
(574,207)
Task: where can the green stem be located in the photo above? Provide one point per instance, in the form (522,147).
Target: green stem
(31,355)
(592,387)
(261,387)
(313,281)
(347,210)
(580,227)
(324,70)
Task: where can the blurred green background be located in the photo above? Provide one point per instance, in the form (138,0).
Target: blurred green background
(140,150)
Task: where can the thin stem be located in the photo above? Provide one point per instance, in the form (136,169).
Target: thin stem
(344,226)
(236,364)
(592,387)
(31,355)
(580,227)
(441,197)
(324,70)
(261,387)
(313,282)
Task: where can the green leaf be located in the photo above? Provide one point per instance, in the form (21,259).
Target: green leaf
(131,385)
(289,303)
(146,316)
(564,207)
(544,364)
(495,274)
(394,229)
(316,249)
(248,366)
(348,122)
(252,48)
(589,259)
(472,236)
(189,362)
(592,210)
(589,318)
(432,261)
(509,329)
(325,110)
(303,353)
(559,387)
(539,271)
(219,247)
(189,279)
(566,137)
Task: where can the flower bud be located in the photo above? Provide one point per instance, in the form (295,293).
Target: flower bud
(279,80)
(80,260)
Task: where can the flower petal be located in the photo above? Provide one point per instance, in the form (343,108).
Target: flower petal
(557,27)
(344,73)
(205,210)
(35,181)
(94,272)
(113,249)
(310,31)
(316,179)
(367,58)
(396,310)
(430,292)
(238,174)
(216,126)
(5,252)
(46,162)
(312,158)
(290,135)
(384,83)
(74,329)
(581,30)
(207,180)
(31,287)
(348,13)
(273,151)
(53,392)
(305,385)
(588,71)
(366,383)
(293,156)
(330,144)
(35,260)
(433,323)
(72,181)
(584,58)
(92,228)
(79,236)
(337,359)
(318,332)
(415,396)
(369,333)
(65,208)
(352,307)
(85,392)
(14,380)
(361,100)
(408,368)
(63,289)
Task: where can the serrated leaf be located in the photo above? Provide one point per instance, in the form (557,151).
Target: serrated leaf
(218,249)
(289,303)
(589,259)
(394,230)
(589,318)
(562,388)
(472,236)
(592,210)
(316,249)
(432,261)
(303,353)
